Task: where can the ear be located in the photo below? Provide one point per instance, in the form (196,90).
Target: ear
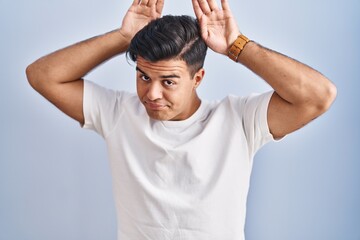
(198,77)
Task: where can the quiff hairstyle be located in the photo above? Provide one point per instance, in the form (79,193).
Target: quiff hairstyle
(170,37)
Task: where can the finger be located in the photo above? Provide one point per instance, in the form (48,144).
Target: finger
(151,3)
(143,2)
(213,5)
(204,6)
(225,5)
(159,6)
(136,2)
(197,9)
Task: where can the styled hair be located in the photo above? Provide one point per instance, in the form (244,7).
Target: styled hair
(170,37)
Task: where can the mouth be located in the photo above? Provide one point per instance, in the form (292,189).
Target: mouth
(155,106)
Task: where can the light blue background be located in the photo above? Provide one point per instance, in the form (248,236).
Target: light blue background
(54,177)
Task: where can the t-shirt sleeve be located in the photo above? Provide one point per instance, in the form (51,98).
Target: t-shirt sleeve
(252,111)
(102,108)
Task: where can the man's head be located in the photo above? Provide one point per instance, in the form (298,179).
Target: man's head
(170,54)
(170,37)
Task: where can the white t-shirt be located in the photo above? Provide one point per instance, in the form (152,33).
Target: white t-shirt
(179,180)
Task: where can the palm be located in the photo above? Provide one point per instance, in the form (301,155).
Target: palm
(139,15)
(218,27)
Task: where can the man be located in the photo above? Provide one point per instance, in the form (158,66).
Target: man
(180,165)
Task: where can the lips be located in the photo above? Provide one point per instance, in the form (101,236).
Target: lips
(155,106)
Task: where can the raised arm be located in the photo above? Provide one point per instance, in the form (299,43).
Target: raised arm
(301,93)
(58,76)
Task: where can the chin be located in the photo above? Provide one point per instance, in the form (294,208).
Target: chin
(158,116)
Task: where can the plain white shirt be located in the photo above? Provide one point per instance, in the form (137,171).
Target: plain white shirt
(179,180)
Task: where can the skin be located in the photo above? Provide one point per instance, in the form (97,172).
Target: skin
(58,76)
(167,90)
(301,93)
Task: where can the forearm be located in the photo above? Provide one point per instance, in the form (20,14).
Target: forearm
(293,81)
(73,62)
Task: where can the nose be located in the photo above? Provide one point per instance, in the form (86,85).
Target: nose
(154,91)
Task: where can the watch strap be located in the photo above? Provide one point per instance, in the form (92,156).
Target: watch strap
(237,47)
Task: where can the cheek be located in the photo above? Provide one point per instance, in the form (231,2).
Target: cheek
(179,98)
(140,89)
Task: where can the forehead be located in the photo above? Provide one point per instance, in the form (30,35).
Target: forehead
(163,66)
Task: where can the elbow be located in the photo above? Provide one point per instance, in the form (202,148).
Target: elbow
(329,96)
(326,98)
(31,75)
(36,75)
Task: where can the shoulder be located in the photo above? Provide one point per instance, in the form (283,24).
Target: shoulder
(102,97)
(239,102)
(253,98)
(93,88)
(247,109)
(104,108)
(252,102)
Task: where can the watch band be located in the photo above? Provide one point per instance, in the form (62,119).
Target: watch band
(237,47)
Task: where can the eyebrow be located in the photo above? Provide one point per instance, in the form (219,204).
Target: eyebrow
(162,76)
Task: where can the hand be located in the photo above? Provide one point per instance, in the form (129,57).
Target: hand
(218,27)
(140,13)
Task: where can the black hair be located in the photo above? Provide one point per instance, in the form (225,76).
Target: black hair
(170,37)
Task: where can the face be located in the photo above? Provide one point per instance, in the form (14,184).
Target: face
(166,89)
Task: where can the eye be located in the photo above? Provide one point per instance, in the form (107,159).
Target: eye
(168,83)
(145,78)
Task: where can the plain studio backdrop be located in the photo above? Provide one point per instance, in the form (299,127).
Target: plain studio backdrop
(55,179)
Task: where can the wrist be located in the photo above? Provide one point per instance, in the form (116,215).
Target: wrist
(237,47)
(126,36)
(116,40)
